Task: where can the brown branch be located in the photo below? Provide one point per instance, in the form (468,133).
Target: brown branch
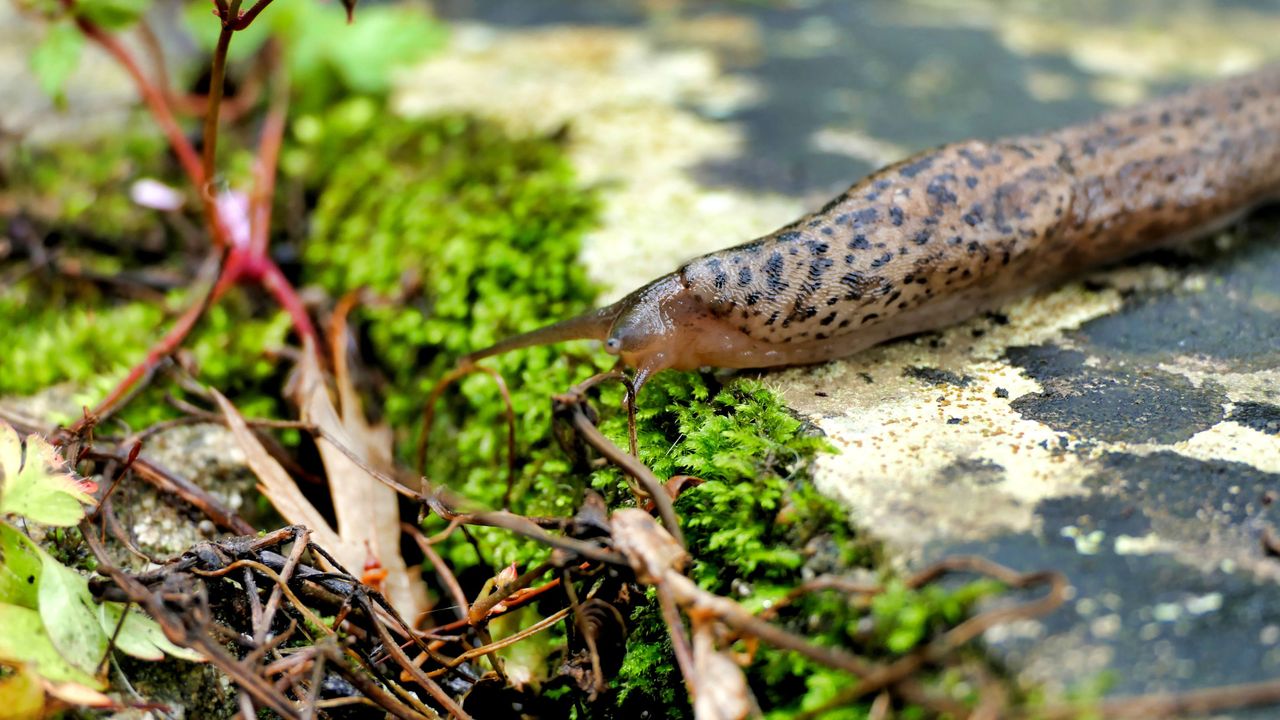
(167,482)
(175,628)
(507,641)
(571,403)
(432,688)
(462,608)
(429,414)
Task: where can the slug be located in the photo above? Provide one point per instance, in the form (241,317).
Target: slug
(950,233)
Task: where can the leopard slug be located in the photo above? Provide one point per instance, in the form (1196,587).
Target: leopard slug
(950,233)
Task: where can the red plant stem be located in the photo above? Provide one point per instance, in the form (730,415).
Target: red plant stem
(247,17)
(153,97)
(242,263)
(264,180)
(159,108)
(276,283)
(162,349)
(217,81)
(264,190)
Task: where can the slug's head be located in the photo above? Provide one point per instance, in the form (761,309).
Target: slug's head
(651,329)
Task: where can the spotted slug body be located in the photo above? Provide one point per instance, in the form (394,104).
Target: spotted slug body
(953,232)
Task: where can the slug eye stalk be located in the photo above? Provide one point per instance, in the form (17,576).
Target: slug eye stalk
(592,325)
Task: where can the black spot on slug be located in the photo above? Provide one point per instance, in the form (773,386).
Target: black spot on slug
(913,169)
(976,162)
(817,268)
(939,191)
(773,272)
(856,284)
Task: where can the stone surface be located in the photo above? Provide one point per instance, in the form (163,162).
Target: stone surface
(1124,429)
(100,98)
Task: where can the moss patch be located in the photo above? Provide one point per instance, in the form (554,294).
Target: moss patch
(90,341)
(84,192)
(469,236)
(75,201)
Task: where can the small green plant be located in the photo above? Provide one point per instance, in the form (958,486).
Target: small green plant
(54,637)
(906,616)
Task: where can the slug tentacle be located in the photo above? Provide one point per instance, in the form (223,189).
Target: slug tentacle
(953,232)
(591,325)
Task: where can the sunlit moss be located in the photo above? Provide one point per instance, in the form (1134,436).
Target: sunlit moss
(84,192)
(91,342)
(467,236)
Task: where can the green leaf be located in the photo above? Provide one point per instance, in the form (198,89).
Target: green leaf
(112,14)
(20,568)
(55,58)
(41,489)
(141,636)
(24,639)
(323,49)
(76,626)
(383,39)
(69,613)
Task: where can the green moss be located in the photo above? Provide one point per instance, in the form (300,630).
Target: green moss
(905,616)
(755,520)
(900,620)
(470,235)
(90,342)
(649,677)
(48,342)
(755,528)
(84,191)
